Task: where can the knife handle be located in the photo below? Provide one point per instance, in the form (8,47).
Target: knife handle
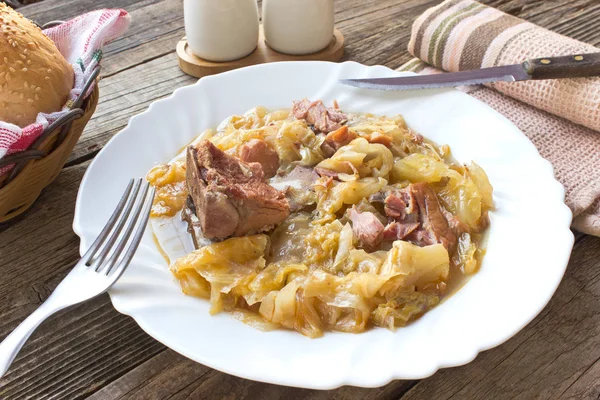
(575,66)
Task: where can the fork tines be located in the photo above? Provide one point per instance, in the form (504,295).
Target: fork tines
(115,246)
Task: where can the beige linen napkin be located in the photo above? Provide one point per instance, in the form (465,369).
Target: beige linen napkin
(560,117)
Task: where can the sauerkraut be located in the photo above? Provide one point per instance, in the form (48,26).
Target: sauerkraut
(312,273)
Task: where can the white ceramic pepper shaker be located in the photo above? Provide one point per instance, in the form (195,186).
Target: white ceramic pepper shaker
(221,30)
(298,26)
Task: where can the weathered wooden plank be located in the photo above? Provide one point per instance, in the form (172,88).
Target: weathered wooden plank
(130,91)
(376,33)
(154,31)
(125,95)
(52,10)
(77,351)
(47,225)
(586,386)
(169,375)
(577,19)
(14,3)
(137,379)
(555,356)
(158,25)
(536,355)
(55,208)
(56,363)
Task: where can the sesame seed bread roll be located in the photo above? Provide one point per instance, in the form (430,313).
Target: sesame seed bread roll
(34,76)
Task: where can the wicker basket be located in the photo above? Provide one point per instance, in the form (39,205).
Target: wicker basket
(22,186)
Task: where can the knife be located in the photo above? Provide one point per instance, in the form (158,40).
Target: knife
(574,66)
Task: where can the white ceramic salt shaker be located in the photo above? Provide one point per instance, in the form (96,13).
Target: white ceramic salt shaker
(221,30)
(298,26)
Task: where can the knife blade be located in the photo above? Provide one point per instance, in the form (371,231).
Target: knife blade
(582,65)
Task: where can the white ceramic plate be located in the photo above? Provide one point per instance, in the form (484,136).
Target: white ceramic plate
(528,249)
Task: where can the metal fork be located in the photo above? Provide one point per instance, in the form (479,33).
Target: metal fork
(98,269)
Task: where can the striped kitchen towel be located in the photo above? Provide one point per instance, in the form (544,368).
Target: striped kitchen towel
(561,117)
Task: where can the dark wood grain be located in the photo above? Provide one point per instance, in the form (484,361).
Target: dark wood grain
(571,66)
(14,3)
(377,32)
(76,352)
(556,356)
(142,66)
(93,350)
(169,375)
(541,359)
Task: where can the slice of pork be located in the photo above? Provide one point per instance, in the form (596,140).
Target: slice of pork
(259,151)
(301,178)
(298,187)
(415,214)
(231,197)
(399,230)
(336,139)
(323,119)
(402,205)
(434,226)
(367,228)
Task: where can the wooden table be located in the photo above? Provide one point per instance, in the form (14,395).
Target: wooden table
(91,350)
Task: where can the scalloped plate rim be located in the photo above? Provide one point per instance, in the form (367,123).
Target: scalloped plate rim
(372,381)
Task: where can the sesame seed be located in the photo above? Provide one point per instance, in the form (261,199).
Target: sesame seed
(47,78)
(28,62)
(38,89)
(11,69)
(25,85)
(30,100)
(49,71)
(23,56)
(24,70)
(22,96)
(37,97)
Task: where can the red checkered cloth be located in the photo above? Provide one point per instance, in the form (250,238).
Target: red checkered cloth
(80,40)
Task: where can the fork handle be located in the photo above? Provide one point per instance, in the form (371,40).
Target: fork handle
(11,345)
